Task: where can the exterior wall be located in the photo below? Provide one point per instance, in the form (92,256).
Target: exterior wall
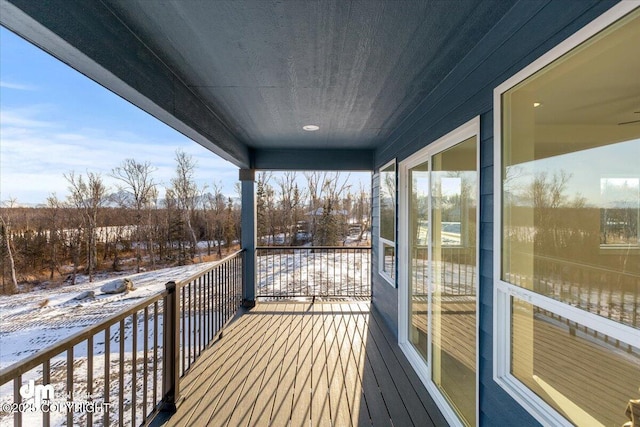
(384,296)
(496,406)
(527,31)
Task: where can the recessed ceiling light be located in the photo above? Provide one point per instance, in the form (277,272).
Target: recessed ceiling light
(310,128)
(536,104)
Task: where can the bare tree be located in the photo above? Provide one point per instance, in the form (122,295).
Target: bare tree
(186,191)
(88,196)
(173,225)
(152,226)
(230,231)
(291,201)
(363,210)
(13,287)
(216,206)
(138,183)
(326,190)
(265,207)
(54,206)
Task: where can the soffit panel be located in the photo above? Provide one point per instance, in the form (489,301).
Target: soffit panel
(355,68)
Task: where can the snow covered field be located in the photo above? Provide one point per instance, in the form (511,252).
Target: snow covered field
(33,321)
(27,324)
(308,272)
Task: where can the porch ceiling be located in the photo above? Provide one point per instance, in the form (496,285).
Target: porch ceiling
(243,77)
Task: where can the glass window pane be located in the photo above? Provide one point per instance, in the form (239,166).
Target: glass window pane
(571,177)
(419,253)
(389,261)
(454,187)
(388,203)
(585,375)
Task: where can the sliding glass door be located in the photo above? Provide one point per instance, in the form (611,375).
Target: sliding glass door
(454,188)
(440,285)
(419,256)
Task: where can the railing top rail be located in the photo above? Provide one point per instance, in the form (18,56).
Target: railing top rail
(199,274)
(47,353)
(312,247)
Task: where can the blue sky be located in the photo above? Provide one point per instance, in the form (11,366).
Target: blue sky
(54,120)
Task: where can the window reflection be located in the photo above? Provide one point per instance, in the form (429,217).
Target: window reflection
(570,225)
(571,177)
(453,207)
(586,376)
(388,220)
(619,212)
(571,234)
(419,250)
(388,203)
(389,260)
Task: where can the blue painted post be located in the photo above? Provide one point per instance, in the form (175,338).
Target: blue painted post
(248,239)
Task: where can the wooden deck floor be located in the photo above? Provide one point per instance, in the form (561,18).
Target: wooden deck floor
(303,364)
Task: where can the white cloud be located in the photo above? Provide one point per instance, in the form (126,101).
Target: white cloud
(16,86)
(23,118)
(35,154)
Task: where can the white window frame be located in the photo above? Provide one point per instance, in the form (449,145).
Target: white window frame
(422,369)
(503,291)
(381,240)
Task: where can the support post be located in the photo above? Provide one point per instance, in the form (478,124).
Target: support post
(248,238)
(171,349)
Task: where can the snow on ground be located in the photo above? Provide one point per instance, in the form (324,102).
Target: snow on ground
(35,320)
(27,325)
(314,272)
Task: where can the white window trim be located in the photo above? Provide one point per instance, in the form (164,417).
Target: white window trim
(503,291)
(381,240)
(422,369)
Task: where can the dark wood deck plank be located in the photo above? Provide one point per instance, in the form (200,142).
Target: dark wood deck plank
(263,407)
(338,400)
(301,410)
(240,370)
(408,382)
(285,393)
(303,364)
(358,407)
(377,368)
(376,405)
(252,382)
(202,392)
(320,406)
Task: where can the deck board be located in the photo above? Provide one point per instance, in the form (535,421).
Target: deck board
(338,401)
(267,384)
(285,392)
(304,364)
(376,409)
(301,409)
(320,406)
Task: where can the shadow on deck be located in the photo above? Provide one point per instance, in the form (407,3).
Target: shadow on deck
(303,364)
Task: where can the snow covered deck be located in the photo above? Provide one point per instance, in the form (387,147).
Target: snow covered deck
(301,364)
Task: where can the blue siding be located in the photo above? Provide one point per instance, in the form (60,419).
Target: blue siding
(385,296)
(496,406)
(527,31)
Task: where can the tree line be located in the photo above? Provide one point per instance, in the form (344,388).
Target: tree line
(96,228)
(321,208)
